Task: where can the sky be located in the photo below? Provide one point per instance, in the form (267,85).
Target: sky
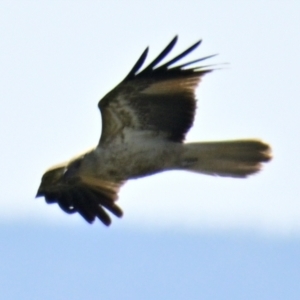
(183,235)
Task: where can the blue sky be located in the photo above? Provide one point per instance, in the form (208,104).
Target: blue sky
(182,235)
(39,262)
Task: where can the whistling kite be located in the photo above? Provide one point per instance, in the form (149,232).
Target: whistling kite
(144,122)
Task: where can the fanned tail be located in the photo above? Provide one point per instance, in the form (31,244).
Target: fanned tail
(238,158)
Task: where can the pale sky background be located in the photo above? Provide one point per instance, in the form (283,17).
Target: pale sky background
(183,235)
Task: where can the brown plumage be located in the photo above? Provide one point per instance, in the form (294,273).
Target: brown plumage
(144,122)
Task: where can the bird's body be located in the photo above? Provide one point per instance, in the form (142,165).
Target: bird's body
(144,123)
(129,162)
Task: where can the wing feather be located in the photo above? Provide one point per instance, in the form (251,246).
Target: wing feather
(158,99)
(160,57)
(180,56)
(138,64)
(87,196)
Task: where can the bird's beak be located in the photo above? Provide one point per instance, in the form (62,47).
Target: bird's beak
(40,192)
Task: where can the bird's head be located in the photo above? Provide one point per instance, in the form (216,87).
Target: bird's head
(50,180)
(73,192)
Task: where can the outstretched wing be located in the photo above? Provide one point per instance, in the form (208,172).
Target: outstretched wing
(90,197)
(158,100)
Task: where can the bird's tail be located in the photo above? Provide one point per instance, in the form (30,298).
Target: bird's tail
(238,158)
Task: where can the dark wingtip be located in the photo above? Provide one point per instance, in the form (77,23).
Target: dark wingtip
(106,222)
(137,65)
(166,70)
(196,61)
(161,55)
(103,216)
(181,55)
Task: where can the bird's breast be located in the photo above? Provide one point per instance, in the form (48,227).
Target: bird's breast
(134,160)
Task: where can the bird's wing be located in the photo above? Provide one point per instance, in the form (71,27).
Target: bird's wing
(157,100)
(88,196)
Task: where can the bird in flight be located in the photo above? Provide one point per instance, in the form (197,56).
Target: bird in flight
(144,122)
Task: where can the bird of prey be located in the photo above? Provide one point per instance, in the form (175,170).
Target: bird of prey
(144,122)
